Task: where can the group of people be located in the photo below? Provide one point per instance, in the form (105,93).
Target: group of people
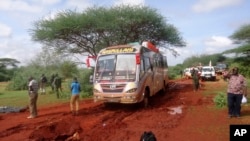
(237,88)
(55,83)
(33,88)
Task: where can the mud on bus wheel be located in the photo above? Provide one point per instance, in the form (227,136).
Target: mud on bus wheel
(145,101)
(164,88)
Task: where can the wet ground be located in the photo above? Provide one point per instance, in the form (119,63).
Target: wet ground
(179,114)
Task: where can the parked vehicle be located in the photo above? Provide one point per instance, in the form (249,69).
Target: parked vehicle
(220,68)
(208,73)
(187,73)
(129,73)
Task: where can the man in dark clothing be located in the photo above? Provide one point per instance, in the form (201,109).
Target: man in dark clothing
(52,81)
(57,85)
(195,77)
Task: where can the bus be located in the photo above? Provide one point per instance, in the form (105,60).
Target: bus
(129,73)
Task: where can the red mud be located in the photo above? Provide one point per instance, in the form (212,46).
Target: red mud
(197,120)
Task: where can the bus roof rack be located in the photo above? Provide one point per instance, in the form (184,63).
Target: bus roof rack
(150,46)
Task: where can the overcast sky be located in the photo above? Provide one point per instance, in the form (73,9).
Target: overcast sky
(204,24)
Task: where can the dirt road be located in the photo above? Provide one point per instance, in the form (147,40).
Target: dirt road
(179,114)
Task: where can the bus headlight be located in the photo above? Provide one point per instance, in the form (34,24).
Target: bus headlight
(131,90)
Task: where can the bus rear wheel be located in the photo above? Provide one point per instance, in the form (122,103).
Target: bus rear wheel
(164,88)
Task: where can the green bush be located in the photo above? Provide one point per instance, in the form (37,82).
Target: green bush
(220,100)
(86,86)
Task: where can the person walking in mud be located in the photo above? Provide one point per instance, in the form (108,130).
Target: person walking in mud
(57,85)
(75,96)
(33,95)
(237,87)
(195,78)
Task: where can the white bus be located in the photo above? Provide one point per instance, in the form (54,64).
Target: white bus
(129,73)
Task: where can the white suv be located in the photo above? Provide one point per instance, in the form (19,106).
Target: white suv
(208,73)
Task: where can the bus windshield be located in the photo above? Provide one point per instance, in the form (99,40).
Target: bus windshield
(121,67)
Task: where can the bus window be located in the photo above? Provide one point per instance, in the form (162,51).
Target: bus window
(142,69)
(105,67)
(121,67)
(125,67)
(147,63)
(126,62)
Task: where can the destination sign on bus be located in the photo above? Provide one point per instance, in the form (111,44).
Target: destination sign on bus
(118,50)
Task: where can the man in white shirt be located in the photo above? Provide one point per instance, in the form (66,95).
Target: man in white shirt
(33,95)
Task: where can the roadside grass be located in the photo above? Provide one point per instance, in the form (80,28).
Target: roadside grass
(218,90)
(21,98)
(213,87)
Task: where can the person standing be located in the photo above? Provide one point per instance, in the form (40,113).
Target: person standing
(75,96)
(57,85)
(52,81)
(43,82)
(181,73)
(237,87)
(195,77)
(33,95)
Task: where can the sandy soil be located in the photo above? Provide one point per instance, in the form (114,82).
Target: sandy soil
(179,114)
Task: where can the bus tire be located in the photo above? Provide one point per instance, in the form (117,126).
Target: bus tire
(164,88)
(145,101)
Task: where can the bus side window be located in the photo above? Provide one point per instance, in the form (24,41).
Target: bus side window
(147,64)
(142,68)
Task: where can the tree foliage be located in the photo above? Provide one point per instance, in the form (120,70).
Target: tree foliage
(242,34)
(204,60)
(7,68)
(99,27)
(242,50)
(46,62)
(5,62)
(242,53)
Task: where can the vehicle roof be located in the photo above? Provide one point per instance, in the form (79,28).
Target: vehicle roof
(207,67)
(128,48)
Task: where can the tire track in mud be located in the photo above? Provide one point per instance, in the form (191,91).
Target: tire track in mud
(115,125)
(13,130)
(51,119)
(108,122)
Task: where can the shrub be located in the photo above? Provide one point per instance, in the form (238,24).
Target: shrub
(220,100)
(87,87)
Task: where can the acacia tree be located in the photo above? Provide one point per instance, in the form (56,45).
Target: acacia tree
(204,60)
(7,68)
(241,36)
(242,52)
(98,27)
